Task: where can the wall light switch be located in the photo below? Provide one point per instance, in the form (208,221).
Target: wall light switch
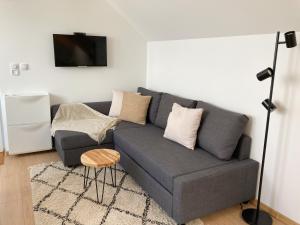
(24,66)
(14,69)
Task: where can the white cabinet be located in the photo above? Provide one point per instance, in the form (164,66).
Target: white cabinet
(26,122)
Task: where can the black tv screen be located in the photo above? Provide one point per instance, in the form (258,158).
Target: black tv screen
(79,50)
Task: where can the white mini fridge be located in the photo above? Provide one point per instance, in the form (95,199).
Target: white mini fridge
(26,122)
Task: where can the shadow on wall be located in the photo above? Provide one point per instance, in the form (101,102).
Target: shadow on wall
(249,125)
(287,109)
(55,99)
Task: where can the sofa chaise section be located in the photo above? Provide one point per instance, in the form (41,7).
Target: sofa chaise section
(71,144)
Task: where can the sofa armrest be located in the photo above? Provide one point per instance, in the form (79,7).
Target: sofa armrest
(202,192)
(102,107)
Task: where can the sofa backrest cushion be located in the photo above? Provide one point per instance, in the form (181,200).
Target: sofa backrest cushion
(154,103)
(165,107)
(220,130)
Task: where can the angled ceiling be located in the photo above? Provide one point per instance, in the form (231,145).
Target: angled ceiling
(183,19)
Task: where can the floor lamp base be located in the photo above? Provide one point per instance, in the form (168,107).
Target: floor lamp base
(249,216)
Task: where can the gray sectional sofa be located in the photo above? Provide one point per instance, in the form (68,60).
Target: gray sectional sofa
(186,184)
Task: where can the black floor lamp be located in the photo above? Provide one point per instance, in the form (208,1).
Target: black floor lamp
(257,216)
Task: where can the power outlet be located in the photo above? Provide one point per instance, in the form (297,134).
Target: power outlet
(14,69)
(24,66)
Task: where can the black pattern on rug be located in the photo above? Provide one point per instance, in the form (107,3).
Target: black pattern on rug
(60,198)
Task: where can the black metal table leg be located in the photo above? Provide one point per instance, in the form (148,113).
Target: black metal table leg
(96,184)
(115,175)
(112,177)
(87,176)
(84,177)
(103,184)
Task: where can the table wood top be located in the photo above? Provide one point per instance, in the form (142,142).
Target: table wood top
(99,158)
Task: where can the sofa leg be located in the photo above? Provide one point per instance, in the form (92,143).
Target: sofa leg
(244,203)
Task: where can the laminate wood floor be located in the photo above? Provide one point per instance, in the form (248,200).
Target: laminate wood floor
(15,193)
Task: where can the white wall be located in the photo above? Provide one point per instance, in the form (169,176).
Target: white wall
(222,71)
(26,36)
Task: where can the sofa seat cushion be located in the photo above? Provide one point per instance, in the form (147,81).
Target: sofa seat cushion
(73,139)
(163,159)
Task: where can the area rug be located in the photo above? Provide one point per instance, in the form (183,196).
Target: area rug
(59,198)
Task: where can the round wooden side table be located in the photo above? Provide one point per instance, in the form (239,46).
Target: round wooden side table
(100,159)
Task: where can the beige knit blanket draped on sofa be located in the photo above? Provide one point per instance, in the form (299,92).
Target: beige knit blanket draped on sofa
(79,117)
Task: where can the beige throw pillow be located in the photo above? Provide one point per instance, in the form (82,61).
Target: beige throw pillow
(116,104)
(182,125)
(134,108)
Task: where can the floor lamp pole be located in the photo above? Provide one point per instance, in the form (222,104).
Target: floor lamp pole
(256,216)
(267,126)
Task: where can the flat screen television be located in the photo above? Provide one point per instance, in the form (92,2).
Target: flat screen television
(79,50)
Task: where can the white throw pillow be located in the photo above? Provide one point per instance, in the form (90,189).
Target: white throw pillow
(116,104)
(183,124)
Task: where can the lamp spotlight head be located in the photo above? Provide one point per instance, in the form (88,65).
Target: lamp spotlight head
(265,74)
(269,105)
(290,39)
